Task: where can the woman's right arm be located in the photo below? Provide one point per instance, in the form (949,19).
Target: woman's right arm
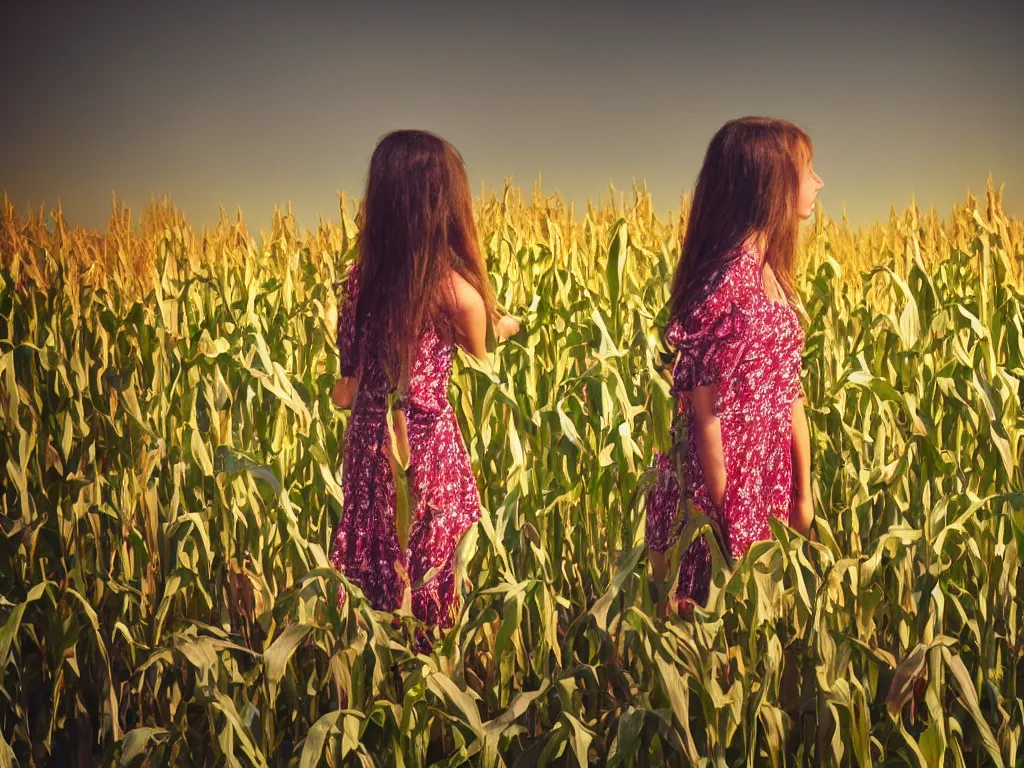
(707,430)
(707,361)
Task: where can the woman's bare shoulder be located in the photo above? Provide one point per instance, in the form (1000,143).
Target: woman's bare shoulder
(468,313)
(463,299)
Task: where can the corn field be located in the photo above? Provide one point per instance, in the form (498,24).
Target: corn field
(172,480)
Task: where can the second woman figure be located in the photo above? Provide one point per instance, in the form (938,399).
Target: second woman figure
(738,345)
(418,290)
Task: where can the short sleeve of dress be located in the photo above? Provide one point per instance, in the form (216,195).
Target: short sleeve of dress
(709,342)
(346,332)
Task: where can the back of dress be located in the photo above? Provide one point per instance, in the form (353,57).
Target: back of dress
(444,497)
(430,371)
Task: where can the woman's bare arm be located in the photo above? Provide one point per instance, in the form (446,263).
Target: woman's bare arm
(803,511)
(708,435)
(470,317)
(344,391)
(505,327)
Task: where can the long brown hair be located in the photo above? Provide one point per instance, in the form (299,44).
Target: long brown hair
(748,186)
(417,228)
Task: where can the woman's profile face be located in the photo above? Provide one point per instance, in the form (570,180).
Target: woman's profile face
(810,186)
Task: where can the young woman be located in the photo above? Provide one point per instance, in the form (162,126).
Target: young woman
(738,345)
(418,289)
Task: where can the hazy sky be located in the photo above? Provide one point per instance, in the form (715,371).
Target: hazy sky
(251,105)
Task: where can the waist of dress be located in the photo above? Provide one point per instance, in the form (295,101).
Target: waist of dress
(422,414)
(367,404)
(377,405)
(737,414)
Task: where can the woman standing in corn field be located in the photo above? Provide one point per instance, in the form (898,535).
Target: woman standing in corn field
(738,343)
(418,289)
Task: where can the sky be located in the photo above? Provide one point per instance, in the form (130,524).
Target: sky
(249,105)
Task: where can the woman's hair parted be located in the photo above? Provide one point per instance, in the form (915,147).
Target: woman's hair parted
(417,228)
(749,185)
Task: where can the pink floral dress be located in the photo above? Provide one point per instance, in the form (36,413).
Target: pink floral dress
(751,347)
(444,498)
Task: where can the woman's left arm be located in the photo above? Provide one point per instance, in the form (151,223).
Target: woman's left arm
(470,316)
(803,511)
(505,326)
(343,392)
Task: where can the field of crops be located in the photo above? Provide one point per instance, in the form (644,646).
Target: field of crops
(172,477)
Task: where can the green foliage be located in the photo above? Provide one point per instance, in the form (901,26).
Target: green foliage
(172,482)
